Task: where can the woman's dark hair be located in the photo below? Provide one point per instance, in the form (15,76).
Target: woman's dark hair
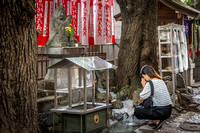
(146,69)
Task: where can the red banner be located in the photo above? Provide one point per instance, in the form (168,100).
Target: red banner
(75,12)
(113,21)
(93,20)
(91,24)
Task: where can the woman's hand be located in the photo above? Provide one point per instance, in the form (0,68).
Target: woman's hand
(143,82)
(141,99)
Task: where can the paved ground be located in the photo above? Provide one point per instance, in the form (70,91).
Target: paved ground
(189,121)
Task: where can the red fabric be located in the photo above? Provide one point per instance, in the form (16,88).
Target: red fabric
(40,21)
(91,24)
(113,22)
(75,11)
(198,52)
(190,53)
(93,20)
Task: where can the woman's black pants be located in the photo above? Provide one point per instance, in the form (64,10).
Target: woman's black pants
(154,113)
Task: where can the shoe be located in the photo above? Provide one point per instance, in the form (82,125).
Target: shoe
(159,125)
(152,124)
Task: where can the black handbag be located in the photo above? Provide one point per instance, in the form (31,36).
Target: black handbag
(148,103)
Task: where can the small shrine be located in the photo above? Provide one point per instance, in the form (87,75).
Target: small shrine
(83,116)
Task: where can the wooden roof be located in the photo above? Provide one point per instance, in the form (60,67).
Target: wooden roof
(176,5)
(179,6)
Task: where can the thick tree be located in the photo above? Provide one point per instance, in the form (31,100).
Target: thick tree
(18,54)
(138,40)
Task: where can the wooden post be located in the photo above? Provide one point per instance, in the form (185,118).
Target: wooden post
(70,87)
(107,87)
(80,73)
(81,123)
(55,88)
(173,68)
(85,90)
(160,61)
(93,90)
(186,81)
(114,54)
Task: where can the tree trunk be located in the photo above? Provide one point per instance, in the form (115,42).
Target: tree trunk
(18,54)
(138,40)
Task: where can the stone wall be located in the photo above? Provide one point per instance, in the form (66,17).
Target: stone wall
(197,69)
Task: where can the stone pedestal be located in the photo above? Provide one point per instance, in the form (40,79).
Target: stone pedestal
(190,72)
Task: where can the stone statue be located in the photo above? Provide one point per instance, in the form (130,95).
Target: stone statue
(57,32)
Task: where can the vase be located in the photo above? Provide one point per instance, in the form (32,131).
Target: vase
(68,43)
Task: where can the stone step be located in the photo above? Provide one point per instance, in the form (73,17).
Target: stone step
(47,98)
(46,91)
(43,93)
(195,85)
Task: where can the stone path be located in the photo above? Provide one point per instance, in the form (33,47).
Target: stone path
(173,126)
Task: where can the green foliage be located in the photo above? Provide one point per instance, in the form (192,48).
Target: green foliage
(124,93)
(188,2)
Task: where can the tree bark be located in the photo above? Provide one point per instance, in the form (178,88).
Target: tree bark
(138,40)
(18,54)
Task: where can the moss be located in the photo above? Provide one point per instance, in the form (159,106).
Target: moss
(124,93)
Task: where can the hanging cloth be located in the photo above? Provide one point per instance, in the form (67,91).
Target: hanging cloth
(174,51)
(184,51)
(198,46)
(195,36)
(180,60)
(192,42)
(177,53)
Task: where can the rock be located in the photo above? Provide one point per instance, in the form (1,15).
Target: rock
(195,91)
(43,128)
(49,120)
(182,90)
(170,86)
(180,81)
(193,105)
(101,97)
(117,104)
(113,95)
(46,109)
(198,108)
(190,90)
(57,129)
(124,113)
(101,78)
(118,116)
(112,122)
(175,113)
(188,98)
(178,108)
(113,89)
(101,90)
(136,96)
(124,93)
(167,78)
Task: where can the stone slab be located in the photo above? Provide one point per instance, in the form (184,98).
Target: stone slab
(195,85)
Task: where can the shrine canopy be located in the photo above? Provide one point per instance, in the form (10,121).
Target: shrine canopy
(87,63)
(93,20)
